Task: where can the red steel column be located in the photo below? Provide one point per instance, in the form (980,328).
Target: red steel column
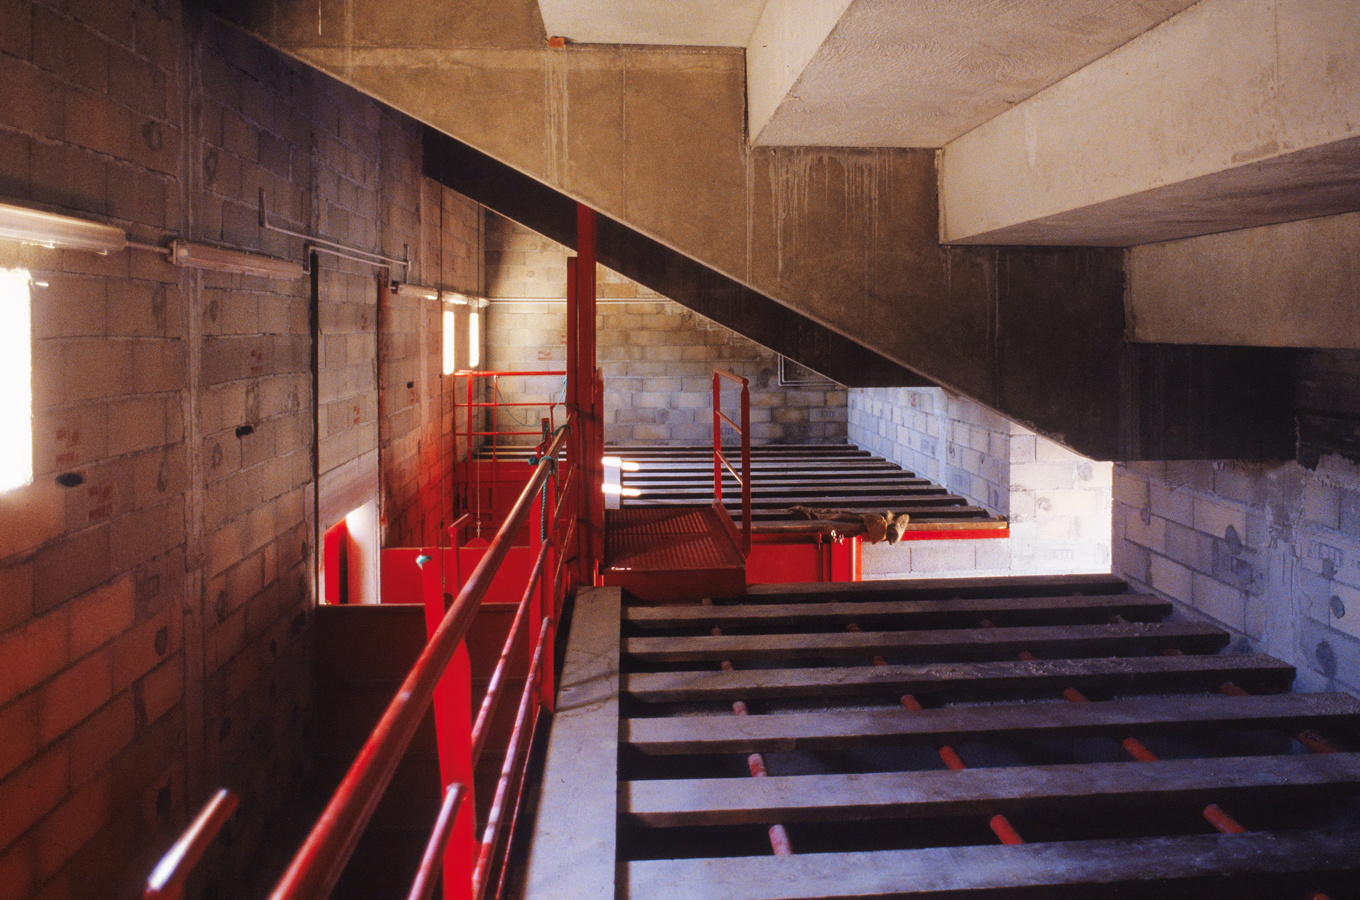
(575,444)
(580,384)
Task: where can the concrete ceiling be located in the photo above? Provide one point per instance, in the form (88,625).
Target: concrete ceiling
(875,73)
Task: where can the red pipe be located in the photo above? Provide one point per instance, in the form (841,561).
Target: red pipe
(1225,823)
(166,881)
(1000,825)
(1310,739)
(426,880)
(1004,831)
(755,763)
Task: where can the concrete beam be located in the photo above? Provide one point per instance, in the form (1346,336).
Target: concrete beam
(1291,285)
(786,38)
(1234,113)
(653,265)
(883,73)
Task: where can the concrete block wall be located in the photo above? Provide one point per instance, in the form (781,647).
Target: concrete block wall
(154,618)
(419,402)
(657,356)
(1269,551)
(1057,502)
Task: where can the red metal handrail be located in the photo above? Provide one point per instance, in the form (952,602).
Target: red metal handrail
(427,875)
(482,727)
(491,834)
(720,460)
(166,881)
(317,865)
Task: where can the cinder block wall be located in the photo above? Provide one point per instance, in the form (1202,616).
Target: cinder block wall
(1057,501)
(418,403)
(658,357)
(154,618)
(1269,551)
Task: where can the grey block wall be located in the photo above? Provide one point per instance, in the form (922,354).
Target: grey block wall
(1269,551)
(1057,501)
(657,356)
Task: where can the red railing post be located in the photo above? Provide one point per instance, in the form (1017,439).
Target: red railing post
(596,494)
(717,441)
(720,460)
(467,457)
(452,701)
(745,467)
(575,446)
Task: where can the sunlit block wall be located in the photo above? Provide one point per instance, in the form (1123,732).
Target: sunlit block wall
(16,375)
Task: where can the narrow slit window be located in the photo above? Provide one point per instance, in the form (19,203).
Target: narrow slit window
(450,342)
(16,376)
(474,337)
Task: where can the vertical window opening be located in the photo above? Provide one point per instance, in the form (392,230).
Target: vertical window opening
(474,337)
(16,377)
(450,342)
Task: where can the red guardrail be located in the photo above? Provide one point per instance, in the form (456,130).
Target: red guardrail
(317,865)
(473,434)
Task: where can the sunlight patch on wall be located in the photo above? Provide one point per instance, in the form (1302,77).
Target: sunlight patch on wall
(450,342)
(16,376)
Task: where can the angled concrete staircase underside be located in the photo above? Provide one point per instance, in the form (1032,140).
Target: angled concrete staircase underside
(813,252)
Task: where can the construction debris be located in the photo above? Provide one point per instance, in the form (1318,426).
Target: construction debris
(886,525)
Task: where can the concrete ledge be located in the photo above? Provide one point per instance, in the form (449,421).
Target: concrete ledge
(1233,113)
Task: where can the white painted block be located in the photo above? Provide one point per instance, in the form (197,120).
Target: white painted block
(1221,602)
(1176,504)
(994,556)
(1171,578)
(1050,451)
(1130,488)
(1068,503)
(1343,599)
(1215,517)
(1095,473)
(939,558)
(1042,476)
(1054,529)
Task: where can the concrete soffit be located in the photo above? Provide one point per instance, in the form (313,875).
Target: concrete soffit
(1235,183)
(881,73)
(1233,114)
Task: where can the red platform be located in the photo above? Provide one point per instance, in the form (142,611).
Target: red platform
(671,554)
